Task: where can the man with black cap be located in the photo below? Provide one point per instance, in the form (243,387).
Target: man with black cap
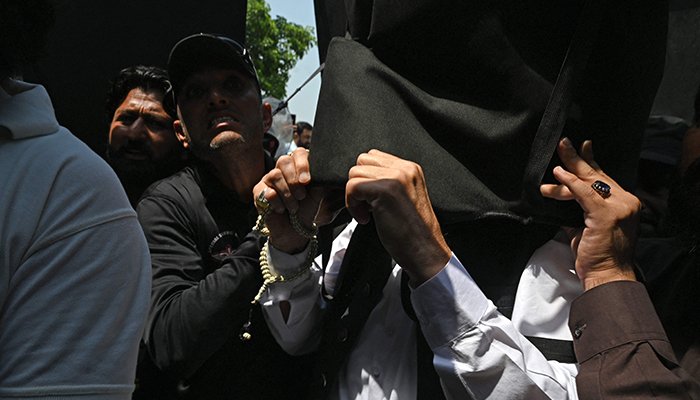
(196,223)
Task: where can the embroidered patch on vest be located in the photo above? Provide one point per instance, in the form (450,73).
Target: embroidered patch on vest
(223,245)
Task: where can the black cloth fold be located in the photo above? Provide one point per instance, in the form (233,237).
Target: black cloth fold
(460,88)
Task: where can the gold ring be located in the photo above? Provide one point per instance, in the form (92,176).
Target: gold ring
(261,201)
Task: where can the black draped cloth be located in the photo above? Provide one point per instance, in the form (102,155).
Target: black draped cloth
(460,88)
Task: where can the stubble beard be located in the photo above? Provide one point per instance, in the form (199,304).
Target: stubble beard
(143,172)
(206,149)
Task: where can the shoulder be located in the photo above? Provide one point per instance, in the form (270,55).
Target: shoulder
(177,199)
(181,187)
(55,188)
(80,177)
(58,175)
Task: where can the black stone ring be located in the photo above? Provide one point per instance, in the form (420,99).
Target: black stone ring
(602,188)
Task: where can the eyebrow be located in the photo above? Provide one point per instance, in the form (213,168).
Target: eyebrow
(148,115)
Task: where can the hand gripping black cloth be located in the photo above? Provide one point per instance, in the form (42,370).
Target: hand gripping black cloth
(460,87)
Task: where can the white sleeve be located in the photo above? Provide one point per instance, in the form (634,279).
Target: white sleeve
(301,333)
(478,352)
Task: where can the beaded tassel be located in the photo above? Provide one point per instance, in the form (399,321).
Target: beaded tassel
(268,277)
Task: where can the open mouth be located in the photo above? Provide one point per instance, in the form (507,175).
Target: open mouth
(221,120)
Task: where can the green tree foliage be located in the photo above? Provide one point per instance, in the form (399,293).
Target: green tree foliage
(275,46)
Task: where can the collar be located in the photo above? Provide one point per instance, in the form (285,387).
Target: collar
(27,111)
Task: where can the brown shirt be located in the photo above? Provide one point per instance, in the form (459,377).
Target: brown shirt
(622,348)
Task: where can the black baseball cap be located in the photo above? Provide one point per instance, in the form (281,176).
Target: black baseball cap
(194,52)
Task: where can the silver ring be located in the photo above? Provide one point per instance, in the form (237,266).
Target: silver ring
(602,188)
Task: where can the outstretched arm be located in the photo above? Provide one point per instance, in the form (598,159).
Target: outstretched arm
(478,352)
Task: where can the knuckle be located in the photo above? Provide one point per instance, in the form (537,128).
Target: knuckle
(635,206)
(284,160)
(632,207)
(275,174)
(416,169)
(353,172)
(270,194)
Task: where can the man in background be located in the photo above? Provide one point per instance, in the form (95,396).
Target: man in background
(142,147)
(302,135)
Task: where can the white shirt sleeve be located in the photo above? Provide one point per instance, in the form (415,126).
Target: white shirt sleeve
(478,352)
(301,333)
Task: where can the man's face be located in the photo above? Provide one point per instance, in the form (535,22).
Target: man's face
(141,136)
(303,139)
(220,107)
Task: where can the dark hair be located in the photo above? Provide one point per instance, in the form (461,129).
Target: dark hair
(302,126)
(23,28)
(148,79)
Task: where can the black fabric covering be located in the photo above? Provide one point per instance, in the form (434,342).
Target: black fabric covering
(331,21)
(460,88)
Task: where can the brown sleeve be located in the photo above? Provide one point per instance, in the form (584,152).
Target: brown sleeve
(622,349)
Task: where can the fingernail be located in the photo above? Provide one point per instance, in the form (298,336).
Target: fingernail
(300,194)
(304,177)
(567,142)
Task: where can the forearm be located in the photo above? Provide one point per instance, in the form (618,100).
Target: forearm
(622,348)
(478,352)
(190,319)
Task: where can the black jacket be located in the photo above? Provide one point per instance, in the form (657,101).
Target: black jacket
(205,274)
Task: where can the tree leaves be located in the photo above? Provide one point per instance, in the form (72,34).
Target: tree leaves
(275,46)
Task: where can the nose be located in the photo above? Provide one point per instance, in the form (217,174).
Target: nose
(138,130)
(217,98)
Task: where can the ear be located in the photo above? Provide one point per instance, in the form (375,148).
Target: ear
(267,116)
(180,133)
